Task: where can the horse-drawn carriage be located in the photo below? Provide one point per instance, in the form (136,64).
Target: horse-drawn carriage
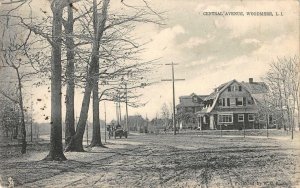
(117,131)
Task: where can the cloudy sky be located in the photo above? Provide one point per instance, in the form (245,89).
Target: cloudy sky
(209,50)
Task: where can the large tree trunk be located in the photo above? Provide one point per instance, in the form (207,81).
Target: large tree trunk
(70,116)
(96,138)
(56,147)
(76,141)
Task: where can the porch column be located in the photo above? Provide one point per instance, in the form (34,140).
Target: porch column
(211,122)
(200,123)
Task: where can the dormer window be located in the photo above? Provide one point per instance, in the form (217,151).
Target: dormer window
(195,99)
(239,101)
(240,88)
(229,89)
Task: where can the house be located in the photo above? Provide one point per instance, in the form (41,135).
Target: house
(232,105)
(186,109)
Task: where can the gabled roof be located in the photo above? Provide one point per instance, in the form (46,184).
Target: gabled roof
(192,95)
(256,87)
(218,89)
(215,95)
(188,104)
(187,100)
(257,90)
(202,96)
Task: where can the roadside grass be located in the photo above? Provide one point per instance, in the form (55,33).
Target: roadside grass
(247,132)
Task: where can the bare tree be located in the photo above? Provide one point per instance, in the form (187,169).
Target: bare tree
(12,56)
(283,82)
(165,114)
(56,148)
(99,26)
(9,112)
(115,47)
(70,73)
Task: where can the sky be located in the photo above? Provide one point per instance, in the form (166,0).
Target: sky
(209,50)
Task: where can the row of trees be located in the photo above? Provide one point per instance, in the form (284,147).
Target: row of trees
(91,46)
(282,101)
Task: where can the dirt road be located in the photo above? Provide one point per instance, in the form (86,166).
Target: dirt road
(166,161)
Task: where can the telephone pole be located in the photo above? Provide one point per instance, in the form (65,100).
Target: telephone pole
(126,108)
(119,107)
(173,87)
(31,118)
(117,113)
(105,122)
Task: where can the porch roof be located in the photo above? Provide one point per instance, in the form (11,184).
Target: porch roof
(247,109)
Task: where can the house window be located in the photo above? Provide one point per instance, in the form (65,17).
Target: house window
(250,101)
(223,101)
(250,117)
(240,117)
(232,102)
(229,89)
(228,101)
(239,101)
(234,88)
(195,99)
(212,102)
(220,102)
(225,118)
(240,88)
(244,101)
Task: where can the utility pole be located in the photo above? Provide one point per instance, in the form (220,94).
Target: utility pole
(173,87)
(267,124)
(292,114)
(31,118)
(119,106)
(37,131)
(117,114)
(126,108)
(105,122)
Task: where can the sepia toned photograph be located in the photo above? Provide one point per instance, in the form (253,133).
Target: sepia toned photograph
(149,93)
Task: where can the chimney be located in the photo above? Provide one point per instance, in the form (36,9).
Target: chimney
(250,80)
